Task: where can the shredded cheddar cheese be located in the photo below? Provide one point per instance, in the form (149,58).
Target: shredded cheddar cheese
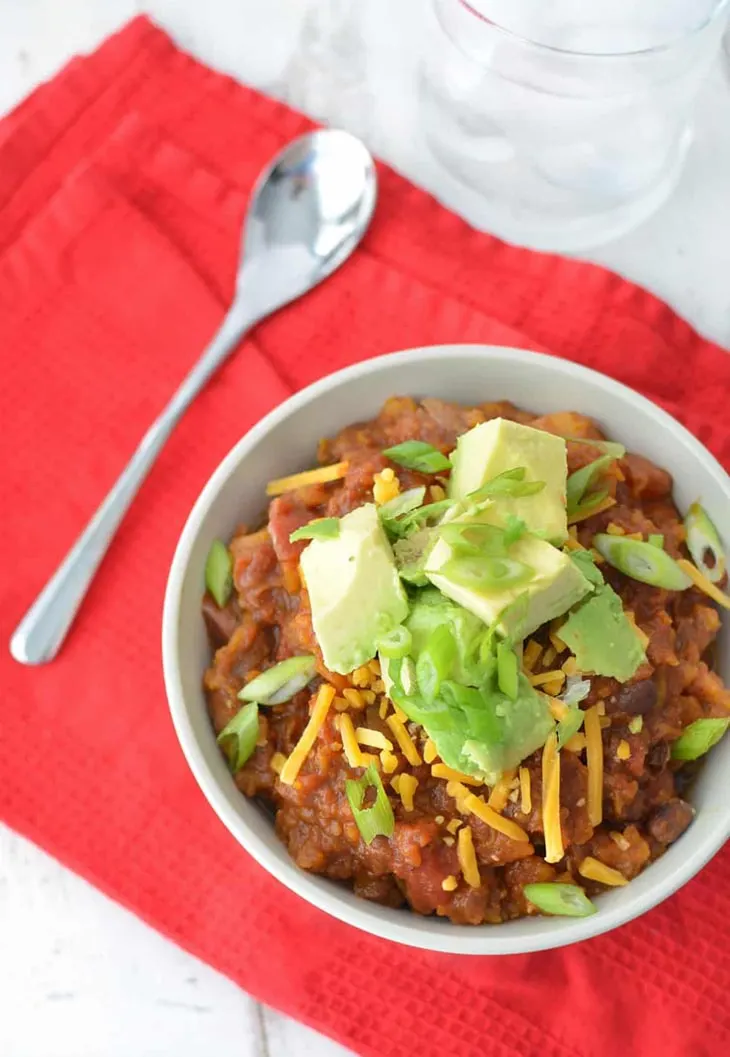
(441,770)
(468,857)
(572,544)
(277,762)
(383,708)
(405,742)
(525,791)
(598,871)
(449,883)
(361,676)
(374,666)
(500,793)
(453,826)
(549,656)
(557,643)
(615,530)
(570,667)
(577,743)
(430,752)
(354,698)
(605,504)
(386,486)
(554,850)
(704,584)
(322,475)
(291,768)
(405,786)
(374,739)
(388,762)
(556,675)
(459,792)
(353,753)
(623,750)
(476,806)
(399,713)
(437,493)
(531,655)
(594,756)
(558,709)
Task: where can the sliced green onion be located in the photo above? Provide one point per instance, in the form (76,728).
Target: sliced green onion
(402,504)
(507,671)
(656,539)
(325,528)
(577,689)
(423,515)
(510,483)
(219,573)
(238,738)
(280,683)
(583,509)
(375,821)
(642,562)
(486,574)
(611,447)
(418,455)
(478,708)
(569,726)
(471,538)
(396,644)
(580,481)
(514,529)
(704,544)
(698,738)
(435,661)
(564,900)
(636,724)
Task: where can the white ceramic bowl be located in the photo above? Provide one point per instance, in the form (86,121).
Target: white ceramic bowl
(286,441)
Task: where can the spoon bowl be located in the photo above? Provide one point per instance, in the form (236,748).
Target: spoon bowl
(307,213)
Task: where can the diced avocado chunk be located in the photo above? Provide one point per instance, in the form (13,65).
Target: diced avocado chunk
(476,728)
(555,586)
(524,725)
(601,637)
(431,610)
(498,445)
(354,590)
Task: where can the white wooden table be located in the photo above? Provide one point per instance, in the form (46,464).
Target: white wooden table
(79,976)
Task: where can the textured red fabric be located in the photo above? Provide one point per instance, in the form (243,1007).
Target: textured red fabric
(122,187)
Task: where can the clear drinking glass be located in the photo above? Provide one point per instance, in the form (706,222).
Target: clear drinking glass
(562,125)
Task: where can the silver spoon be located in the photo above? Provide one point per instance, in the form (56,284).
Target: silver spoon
(307,214)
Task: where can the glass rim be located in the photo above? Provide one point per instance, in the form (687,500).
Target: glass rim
(553,49)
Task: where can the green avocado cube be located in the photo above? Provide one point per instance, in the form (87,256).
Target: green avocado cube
(555,585)
(355,592)
(498,445)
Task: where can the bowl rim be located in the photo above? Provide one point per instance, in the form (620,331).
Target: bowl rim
(453,939)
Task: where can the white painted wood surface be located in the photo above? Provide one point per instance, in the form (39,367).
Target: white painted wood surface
(79,976)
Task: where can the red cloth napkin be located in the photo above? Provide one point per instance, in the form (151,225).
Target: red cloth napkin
(122,187)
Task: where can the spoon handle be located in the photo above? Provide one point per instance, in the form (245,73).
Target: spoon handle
(41,632)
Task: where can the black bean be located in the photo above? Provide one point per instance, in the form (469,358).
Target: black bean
(658,755)
(670,820)
(636,699)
